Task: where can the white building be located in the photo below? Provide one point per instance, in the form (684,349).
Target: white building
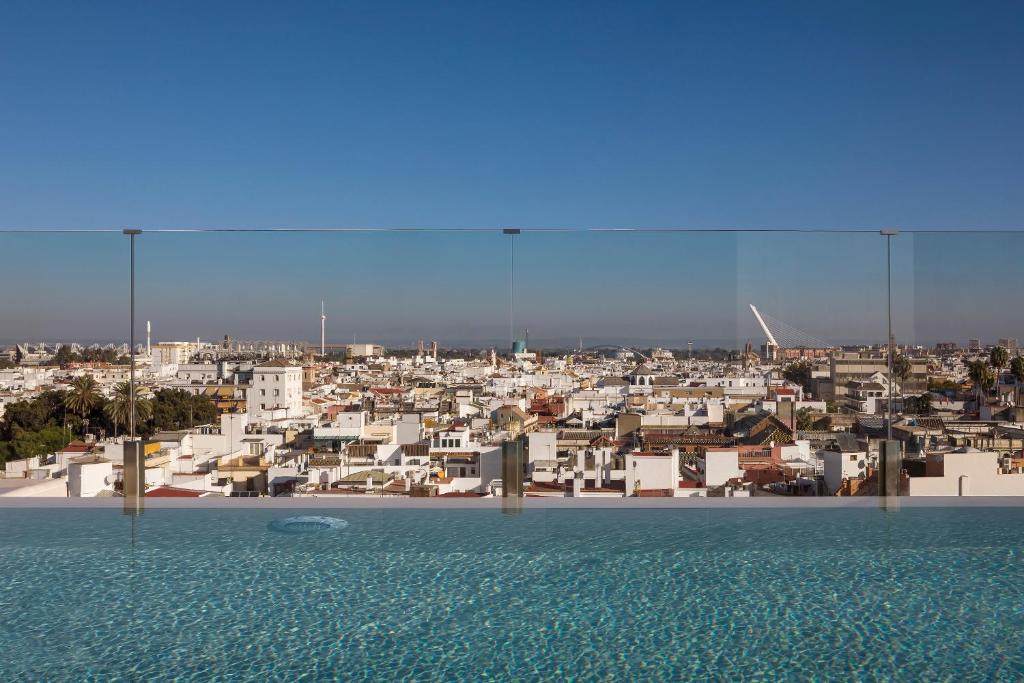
(651,471)
(201,373)
(88,475)
(542,446)
(718,466)
(967,472)
(276,391)
(345,427)
(364,350)
(167,356)
(839,465)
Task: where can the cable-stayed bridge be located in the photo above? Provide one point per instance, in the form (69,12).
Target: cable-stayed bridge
(782,336)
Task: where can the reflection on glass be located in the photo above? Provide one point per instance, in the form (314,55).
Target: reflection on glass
(963,397)
(643,364)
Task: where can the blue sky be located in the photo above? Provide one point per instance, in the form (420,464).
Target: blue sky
(456,115)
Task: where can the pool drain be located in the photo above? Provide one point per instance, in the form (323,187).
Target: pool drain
(306,525)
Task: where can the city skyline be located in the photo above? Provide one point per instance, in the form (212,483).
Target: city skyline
(633,288)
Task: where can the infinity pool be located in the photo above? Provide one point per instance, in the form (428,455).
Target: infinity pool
(469,595)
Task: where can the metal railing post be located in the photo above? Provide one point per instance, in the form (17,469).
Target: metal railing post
(134,462)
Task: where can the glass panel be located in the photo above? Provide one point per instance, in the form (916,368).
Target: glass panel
(405,317)
(635,332)
(963,432)
(820,329)
(646,381)
(63,334)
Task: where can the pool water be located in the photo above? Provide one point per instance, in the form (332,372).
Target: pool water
(470,595)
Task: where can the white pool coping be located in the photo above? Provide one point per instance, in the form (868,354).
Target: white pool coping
(405,503)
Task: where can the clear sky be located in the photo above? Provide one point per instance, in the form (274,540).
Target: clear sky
(464,114)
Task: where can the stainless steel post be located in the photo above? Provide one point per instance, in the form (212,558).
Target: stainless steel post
(134,463)
(889,233)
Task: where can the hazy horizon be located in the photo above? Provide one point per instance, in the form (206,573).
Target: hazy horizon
(624,288)
(612,114)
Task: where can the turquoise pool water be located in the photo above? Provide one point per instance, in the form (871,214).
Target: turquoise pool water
(470,595)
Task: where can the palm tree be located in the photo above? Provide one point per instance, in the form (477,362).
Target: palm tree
(119,407)
(998,357)
(1017,370)
(902,369)
(924,404)
(982,377)
(83,396)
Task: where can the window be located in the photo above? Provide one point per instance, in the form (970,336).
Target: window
(263,392)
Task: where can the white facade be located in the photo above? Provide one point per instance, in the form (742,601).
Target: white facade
(718,466)
(88,475)
(842,465)
(276,392)
(450,440)
(203,373)
(542,446)
(167,356)
(345,427)
(364,350)
(970,473)
(651,472)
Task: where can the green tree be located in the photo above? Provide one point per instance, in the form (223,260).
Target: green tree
(83,396)
(64,356)
(47,440)
(799,373)
(919,405)
(37,426)
(805,419)
(118,409)
(946,386)
(1017,370)
(178,409)
(982,377)
(902,369)
(33,414)
(998,357)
